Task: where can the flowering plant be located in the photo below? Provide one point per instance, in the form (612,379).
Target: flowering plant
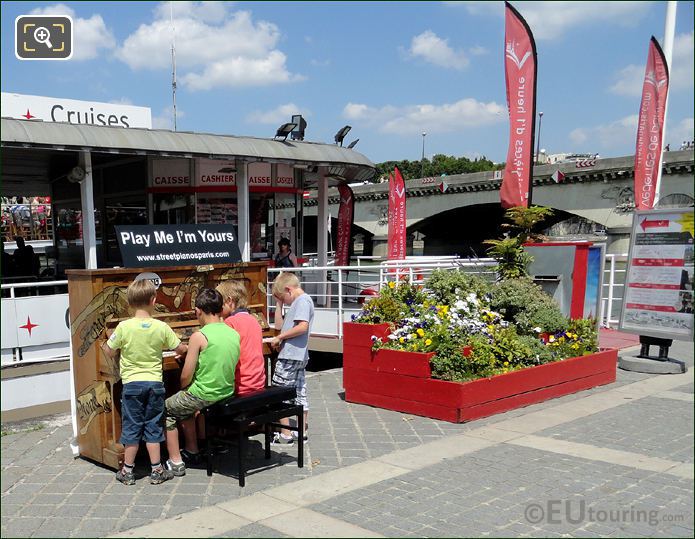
(451,315)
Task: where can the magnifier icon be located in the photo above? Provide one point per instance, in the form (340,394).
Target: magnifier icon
(42,35)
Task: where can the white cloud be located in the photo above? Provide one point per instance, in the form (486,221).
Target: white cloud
(623,133)
(278,115)
(681,131)
(435,50)
(430,118)
(121,101)
(629,79)
(551,20)
(611,135)
(478,50)
(165,119)
(89,35)
(214,47)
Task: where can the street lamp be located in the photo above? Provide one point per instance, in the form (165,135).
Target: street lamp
(538,143)
(422,161)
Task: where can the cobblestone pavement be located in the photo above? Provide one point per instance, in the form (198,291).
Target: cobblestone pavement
(393,474)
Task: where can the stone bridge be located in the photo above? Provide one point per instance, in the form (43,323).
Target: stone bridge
(591,200)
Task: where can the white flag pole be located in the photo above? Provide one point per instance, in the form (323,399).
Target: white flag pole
(669,36)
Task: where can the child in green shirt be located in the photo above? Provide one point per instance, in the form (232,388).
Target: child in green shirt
(207,377)
(141,340)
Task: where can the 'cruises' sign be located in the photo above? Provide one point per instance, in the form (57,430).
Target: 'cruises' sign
(53,109)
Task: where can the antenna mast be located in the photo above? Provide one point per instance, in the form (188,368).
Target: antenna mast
(173,61)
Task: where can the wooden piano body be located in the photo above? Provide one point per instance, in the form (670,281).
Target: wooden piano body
(98,302)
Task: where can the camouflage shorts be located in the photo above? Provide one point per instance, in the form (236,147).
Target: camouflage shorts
(183,405)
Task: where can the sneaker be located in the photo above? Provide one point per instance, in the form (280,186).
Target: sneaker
(160,474)
(295,435)
(179,470)
(127,478)
(190,459)
(279,439)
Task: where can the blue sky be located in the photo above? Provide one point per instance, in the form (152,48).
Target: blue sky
(391,70)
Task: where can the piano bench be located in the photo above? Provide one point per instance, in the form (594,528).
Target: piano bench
(263,408)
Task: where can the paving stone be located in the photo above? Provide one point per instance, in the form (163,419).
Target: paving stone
(484,510)
(21,527)
(483,494)
(649,426)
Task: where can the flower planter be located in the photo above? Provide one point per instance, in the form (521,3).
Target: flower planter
(401,381)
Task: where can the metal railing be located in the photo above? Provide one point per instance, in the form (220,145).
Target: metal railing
(30,285)
(339,291)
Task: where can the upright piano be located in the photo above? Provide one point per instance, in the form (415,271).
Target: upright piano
(98,302)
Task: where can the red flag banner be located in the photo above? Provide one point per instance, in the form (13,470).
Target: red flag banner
(520,77)
(396,239)
(650,127)
(345,217)
(390,215)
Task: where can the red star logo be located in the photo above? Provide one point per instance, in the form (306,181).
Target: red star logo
(29,326)
(28,115)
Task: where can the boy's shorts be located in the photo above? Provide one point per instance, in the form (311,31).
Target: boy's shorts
(142,412)
(183,405)
(290,373)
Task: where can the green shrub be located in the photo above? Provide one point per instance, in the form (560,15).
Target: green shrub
(393,302)
(450,285)
(522,302)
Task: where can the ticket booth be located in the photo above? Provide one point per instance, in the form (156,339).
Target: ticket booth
(205,191)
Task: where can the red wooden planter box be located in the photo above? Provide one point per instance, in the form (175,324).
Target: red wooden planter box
(401,380)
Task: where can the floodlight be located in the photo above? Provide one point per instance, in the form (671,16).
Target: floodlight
(353,144)
(340,135)
(298,131)
(284,130)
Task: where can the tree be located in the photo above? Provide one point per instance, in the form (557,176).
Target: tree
(440,164)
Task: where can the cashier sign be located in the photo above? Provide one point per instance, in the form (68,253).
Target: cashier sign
(177,245)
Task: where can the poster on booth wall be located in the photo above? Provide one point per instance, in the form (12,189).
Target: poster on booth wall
(658,299)
(594,279)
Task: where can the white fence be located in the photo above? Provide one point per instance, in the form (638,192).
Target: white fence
(339,291)
(35,327)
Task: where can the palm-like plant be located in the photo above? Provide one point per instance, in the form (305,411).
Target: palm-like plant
(512,260)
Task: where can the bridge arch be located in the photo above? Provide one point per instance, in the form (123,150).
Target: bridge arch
(463,230)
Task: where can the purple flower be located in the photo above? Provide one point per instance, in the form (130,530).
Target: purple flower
(353,317)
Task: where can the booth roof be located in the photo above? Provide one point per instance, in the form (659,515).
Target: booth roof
(339,162)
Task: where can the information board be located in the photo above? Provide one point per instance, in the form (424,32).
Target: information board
(658,298)
(177,245)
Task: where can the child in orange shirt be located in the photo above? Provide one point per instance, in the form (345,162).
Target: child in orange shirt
(250,371)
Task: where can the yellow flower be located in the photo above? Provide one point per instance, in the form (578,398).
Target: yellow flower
(575,346)
(506,363)
(428,342)
(420,332)
(402,339)
(490,327)
(413,335)
(561,339)
(392,284)
(551,339)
